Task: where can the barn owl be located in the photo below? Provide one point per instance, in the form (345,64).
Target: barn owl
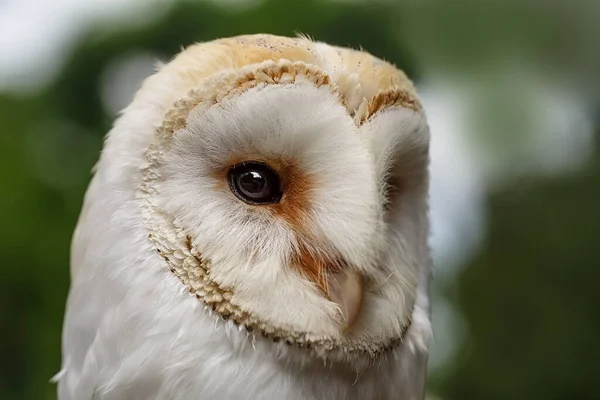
(256,228)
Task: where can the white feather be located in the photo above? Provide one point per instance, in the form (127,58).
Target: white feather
(132,330)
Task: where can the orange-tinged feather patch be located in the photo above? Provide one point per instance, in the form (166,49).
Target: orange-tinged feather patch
(297,186)
(293,208)
(316,267)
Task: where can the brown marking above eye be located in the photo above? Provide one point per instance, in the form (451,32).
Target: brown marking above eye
(394,96)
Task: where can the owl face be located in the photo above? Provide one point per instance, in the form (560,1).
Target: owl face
(293,204)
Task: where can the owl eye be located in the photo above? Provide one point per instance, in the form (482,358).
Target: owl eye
(254,182)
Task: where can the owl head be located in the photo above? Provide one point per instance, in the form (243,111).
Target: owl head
(283,184)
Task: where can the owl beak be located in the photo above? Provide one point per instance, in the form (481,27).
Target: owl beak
(346,289)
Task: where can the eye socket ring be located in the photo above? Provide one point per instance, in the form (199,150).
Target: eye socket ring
(254,182)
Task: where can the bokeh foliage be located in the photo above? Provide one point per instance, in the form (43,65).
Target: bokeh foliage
(528,297)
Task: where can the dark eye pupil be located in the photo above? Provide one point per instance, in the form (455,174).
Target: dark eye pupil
(254,183)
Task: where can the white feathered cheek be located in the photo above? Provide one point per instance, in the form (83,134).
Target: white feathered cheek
(259,187)
(399,138)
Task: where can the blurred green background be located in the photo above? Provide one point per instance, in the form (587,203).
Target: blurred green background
(511,89)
